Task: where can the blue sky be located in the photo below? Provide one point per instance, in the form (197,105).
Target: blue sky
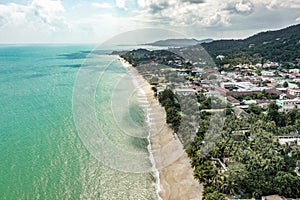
(82,21)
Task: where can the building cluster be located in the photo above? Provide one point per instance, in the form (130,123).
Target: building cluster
(248,80)
(282,85)
(243,87)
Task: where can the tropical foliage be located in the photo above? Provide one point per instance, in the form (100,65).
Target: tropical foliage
(255,164)
(278,46)
(168,100)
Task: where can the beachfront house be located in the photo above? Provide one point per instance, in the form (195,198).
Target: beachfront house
(289,140)
(184,91)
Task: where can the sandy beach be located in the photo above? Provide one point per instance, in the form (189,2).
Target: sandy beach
(176,181)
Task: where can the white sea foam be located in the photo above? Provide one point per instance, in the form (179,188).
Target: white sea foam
(152,126)
(155,170)
(151,156)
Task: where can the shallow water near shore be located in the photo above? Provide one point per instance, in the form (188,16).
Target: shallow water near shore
(42,154)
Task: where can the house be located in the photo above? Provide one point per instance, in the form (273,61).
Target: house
(259,65)
(197,88)
(240,86)
(267,73)
(212,93)
(222,91)
(294,71)
(273,91)
(233,100)
(248,102)
(287,104)
(294,92)
(239,112)
(197,71)
(289,96)
(272,197)
(282,96)
(262,103)
(251,45)
(184,91)
(289,140)
(221,57)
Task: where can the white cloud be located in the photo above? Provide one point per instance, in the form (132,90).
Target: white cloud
(208,13)
(38,21)
(186,13)
(45,10)
(102,5)
(49,18)
(216,19)
(12,14)
(48,10)
(49,6)
(121,4)
(244,7)
(273,4)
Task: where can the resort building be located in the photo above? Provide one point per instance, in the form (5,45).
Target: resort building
(289,140)
(233,101)
(184,91)
(240,86)
(294,92)
(287,104)
(272,197)
(267,73)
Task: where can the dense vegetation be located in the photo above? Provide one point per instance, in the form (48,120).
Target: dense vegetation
(257,95)
(278,46)
(182,114)
(169,101)
(256,164)
(140,57)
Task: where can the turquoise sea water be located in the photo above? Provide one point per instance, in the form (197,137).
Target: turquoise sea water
(42,153)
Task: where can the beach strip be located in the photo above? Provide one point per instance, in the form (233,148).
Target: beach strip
(175,176)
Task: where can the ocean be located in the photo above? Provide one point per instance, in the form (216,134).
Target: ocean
(72,126)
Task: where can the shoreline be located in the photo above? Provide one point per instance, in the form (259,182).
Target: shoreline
(171,165)
(155,171)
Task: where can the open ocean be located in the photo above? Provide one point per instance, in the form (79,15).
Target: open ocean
(44,155)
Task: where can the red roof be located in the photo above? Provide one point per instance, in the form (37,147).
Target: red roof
(262,101)
(221,90)
(232,99)
(289,96)
(195,87)
(273,91)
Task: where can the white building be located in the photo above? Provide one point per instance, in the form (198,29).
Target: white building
(294,71)
(248,102)
(241,86)
(184,91)
(221,57)
(294,92)
(287,104)
(267,73)
(289,140)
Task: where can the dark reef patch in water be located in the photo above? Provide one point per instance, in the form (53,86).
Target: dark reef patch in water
(74,56)
(72,66)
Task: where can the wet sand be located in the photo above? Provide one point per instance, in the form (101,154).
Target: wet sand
(176,181)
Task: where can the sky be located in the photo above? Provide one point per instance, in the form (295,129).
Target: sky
(95,21)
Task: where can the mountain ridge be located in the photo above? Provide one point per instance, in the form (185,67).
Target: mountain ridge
(277,45)
(179,42)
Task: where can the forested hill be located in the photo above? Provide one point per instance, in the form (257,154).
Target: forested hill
(280,46)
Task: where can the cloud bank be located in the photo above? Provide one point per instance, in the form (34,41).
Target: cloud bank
(88,21)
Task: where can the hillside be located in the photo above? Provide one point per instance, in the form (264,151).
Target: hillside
(279,46)
(179,42)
